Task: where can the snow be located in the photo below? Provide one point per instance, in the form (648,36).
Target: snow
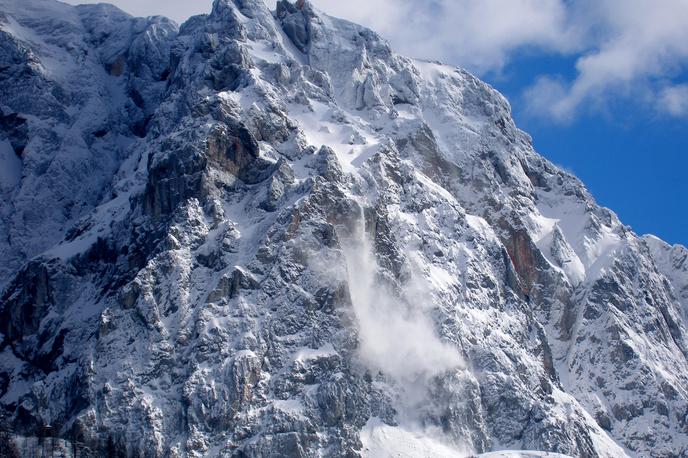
(291,406)
(318,125)
(604,444)
(521,454)
(672,262)
(55,60)
(432,71)
(407,112)
(265,51)
(456,126)
(443,332)
(550,240)
(590,252)
(482,227)
(305,354)
(384,441)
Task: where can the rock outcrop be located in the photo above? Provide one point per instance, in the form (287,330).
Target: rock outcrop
(266,234)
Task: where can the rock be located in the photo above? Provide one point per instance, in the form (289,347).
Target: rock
(235,252)
(15,129)
(230,287)
(328,165)
(294,23)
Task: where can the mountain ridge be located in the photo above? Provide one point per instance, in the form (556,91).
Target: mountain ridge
(270,206)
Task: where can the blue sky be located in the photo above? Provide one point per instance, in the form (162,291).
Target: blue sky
(601,85)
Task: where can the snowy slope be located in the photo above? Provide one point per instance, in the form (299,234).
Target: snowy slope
(267,234)
(77,86)
(672,262)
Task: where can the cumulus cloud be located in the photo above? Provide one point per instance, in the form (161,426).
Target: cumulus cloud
(674,100)
(638,46)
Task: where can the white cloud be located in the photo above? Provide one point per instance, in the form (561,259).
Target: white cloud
(636,44)
(674,100)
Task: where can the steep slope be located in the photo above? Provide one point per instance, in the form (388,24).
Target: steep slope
(78,87)
(311,246)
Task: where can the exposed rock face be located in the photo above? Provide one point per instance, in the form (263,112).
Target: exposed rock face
(266,234)
(295,21)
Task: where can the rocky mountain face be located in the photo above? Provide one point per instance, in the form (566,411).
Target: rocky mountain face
(264,233)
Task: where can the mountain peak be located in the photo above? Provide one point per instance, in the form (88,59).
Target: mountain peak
(269,234)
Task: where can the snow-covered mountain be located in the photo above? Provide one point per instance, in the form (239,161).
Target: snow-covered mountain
(264,233)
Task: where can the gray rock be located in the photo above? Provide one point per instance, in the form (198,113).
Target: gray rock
(214,249)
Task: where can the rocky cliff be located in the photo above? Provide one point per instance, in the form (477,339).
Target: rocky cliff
(264,233)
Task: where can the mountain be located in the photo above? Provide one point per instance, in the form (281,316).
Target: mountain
(264,233)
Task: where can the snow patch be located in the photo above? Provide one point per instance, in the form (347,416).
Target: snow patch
(384,441)
(521,454)
(264,50)
(587,245)
(305,354)
(320,128)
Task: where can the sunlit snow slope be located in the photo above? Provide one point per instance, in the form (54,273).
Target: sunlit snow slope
(263,233)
